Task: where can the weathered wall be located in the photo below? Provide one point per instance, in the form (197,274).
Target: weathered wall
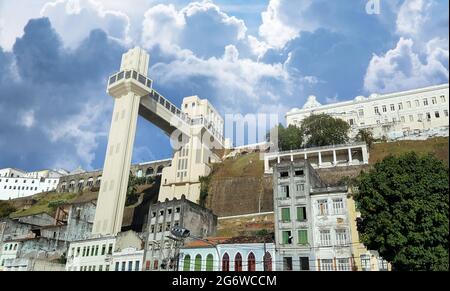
(245,225)
(240,195)
(335,176)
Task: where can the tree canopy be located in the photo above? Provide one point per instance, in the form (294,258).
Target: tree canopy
(404,204)
(290,138)
(365,135)
(323,129)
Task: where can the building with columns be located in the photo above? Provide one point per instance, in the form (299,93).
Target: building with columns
(423,111)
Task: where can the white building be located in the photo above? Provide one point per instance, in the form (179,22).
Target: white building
(227,256)
(395,115)
(16,183)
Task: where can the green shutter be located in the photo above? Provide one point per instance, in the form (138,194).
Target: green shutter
(198,263)
(209,263)
(301,214)
(303,237)
(187,263)
(286,214)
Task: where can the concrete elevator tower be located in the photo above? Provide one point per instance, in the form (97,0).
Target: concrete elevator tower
(197,124)
(127,95)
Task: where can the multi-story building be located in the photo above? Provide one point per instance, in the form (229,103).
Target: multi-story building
(16,183)
(421,111)
(315,225)
(160,251)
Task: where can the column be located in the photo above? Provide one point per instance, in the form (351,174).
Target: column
(320,159)
(365,154)
(266,164)
(350,158)
(334,158)
(292,158)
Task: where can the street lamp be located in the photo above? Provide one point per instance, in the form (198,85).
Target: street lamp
(184,233)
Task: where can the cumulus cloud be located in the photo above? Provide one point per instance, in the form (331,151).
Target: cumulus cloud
(402,68)
(74,19)
(60,109)
(200,27)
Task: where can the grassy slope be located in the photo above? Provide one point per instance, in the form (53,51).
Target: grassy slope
(437,146)
(249,165)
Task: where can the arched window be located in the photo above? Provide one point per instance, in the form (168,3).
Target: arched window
(187,263)
(238,263)
(198,263)
(225,263)
(149,172)
(267,262)
(139,173)
(251,262)
(209,263)
(160,169)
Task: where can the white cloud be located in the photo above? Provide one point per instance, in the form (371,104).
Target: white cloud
(412,15)
(83,130)
(27,119)
(401,68)
(284,20)
(74,19)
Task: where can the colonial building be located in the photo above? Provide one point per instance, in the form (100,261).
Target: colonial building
(315,225)
(401,114)
(160,252)
(16,183)
(228,254)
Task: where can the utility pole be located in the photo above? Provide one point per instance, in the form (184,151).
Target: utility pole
(264,257)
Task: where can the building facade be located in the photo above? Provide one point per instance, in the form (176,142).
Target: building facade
(160,251)
(423,111)
(227,256)
(16,183)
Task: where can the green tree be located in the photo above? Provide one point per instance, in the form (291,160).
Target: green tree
(290,138)
(323,129)
(6,209)
(404,204)
(365,135)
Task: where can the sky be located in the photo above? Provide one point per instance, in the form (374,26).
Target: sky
(253,56)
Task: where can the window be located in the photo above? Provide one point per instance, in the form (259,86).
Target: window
(384,108)
(78,251)
(341,237)
(100,268)
(285,191)
(287,264)
(365,262)
(428,116)
(301,213)
(351,122)
(84,251)
(209,263)
(225,263)
(300,188)
(92,251)
(436,114)
(338,206)
(382,265)
(408,104)
(400,106)
(124,264)
(238,263)
(326,265)
(110,247)
(361,112)
(299,173)
(325,238)
(377,111)
(304,263)
(198,263)
(434,100)
(303,237)
(343,265)
(425,102)
(285,214)
(107,268)
(156,265)
(446,113)
(251,262)
(267,262)
(402,119)
(152,228)
(96,250)
(411,118)
(284,174)
(443,99)
(286,237)
(392,107)
(417,103)
(117,267)
(130,266)
(322,206)
(103,250)
(419,117)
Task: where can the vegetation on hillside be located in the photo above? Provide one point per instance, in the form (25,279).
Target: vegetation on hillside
(6,209)
(404,204)
(365,135)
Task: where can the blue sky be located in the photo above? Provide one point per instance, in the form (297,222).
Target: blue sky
(245,56)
